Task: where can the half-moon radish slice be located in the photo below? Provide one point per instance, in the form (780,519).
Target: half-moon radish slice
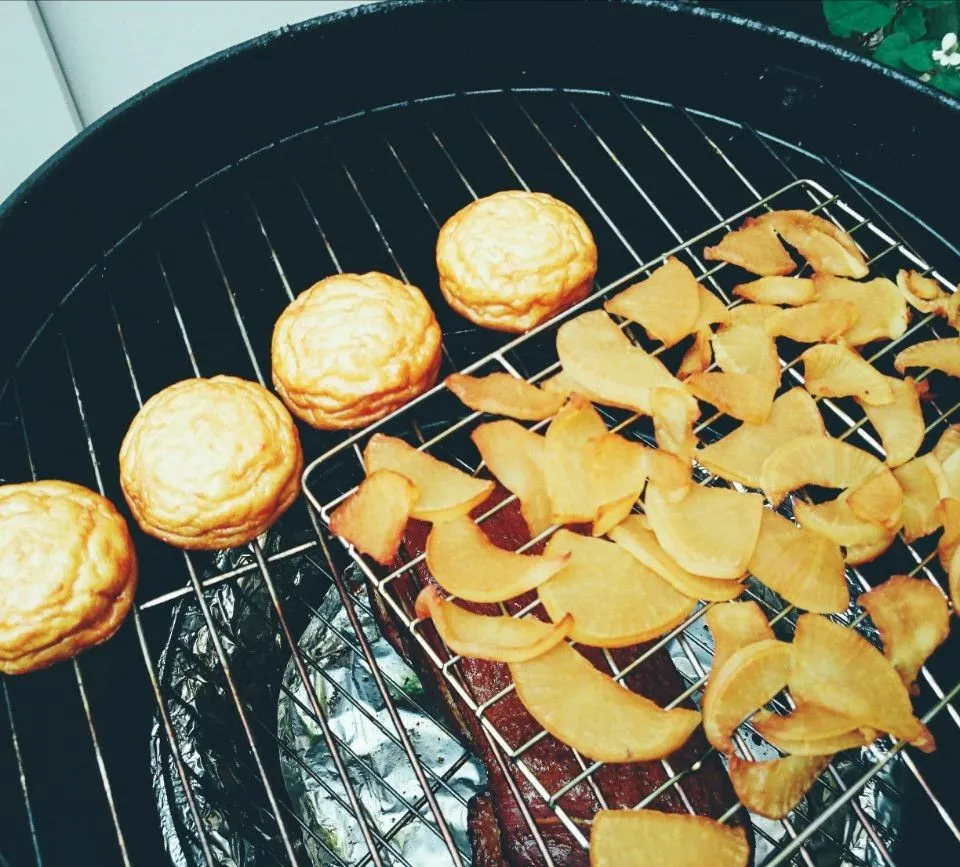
(669,473)
(711,531)
(913,620)
(649,838)
(773,788)
(748,679)
(947,462)
(810,730)
(816,460)
(752,315)
(777,290)
(915,286)
(879,499)
(741,395)
(754,247)
(739,456)
(615,600)
(819,322)
(859,554)
(698,357)
(747,349)
(835,370)
(468,565)
(920,497)
(563,385)
(803,567)
(666,304)
(589,711)
(503,394)
(942,354)
(674,414)
(837,522)
(443,491)
(734,626)
(567,469)
(502,638)
(712,311)
(825,246)
(618,471)
(823,655)
(881,309)
(373,517)
(635,536)
(900,424)
(596,353)
(928,296)
(516,456)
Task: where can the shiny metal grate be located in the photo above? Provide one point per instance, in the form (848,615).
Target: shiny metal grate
(528,353)
(211,272)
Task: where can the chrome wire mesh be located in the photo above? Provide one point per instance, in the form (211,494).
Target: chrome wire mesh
(528,353)
(648,177)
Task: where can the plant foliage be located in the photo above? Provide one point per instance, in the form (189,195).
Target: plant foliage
(903,34)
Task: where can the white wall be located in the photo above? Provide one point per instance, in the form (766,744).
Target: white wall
(108,50)
(36,115)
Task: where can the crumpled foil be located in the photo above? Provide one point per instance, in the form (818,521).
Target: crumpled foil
(226,789)
(229,795)
(376,763)
(222,779)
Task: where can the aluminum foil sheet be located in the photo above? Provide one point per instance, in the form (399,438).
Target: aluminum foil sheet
(229,794)
(376,762)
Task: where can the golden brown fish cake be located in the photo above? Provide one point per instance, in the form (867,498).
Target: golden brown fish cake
(514,259)
(353,348)
(210,463)
(68,572)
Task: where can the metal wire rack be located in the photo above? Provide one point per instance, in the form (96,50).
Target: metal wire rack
(647,176)
(527,353)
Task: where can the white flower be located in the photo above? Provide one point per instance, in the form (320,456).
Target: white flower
(947,54)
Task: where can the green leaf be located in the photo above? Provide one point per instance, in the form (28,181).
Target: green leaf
(846,17)
(933,4)
(948,80)
(911,22)
(944,18)
(917,56)
(891,50)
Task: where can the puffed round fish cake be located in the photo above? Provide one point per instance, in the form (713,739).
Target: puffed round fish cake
(210,463)
(514,259)
(353,348)
(68,573)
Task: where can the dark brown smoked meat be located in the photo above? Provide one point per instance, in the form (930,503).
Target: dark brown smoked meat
(512,842)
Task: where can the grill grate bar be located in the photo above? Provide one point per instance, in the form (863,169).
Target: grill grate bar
(228,575)
(171,737)
(348,602)
(207,615)
(145,649)
(262,566)
(415,763)
(652,204)
(21,773)
(316,666)
(78,676)
(583,187)
(318,714)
